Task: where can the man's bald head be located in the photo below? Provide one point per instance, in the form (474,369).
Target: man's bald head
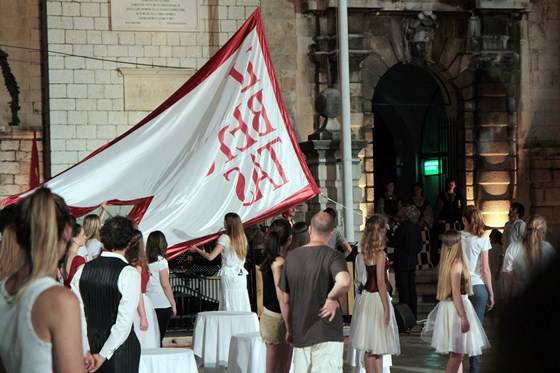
(322,224)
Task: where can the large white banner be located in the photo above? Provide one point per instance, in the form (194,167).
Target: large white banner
(222,143)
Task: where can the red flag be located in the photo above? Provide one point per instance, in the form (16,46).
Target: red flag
(34,168)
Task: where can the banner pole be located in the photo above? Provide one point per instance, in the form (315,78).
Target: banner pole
(344,74)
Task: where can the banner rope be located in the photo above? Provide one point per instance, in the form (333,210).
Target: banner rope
(341,205)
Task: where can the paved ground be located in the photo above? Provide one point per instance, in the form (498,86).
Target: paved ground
(416,355)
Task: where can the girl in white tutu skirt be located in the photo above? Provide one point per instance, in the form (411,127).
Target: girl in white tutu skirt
(453,327)
(374,327)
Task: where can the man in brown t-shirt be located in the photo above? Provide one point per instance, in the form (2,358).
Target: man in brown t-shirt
(314,278)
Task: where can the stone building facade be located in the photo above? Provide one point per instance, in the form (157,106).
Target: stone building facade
(492,67)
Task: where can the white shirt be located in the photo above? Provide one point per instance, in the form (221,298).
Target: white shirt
(21,349)
(514,231)
(473,246)
(516,263)
(154,290)
(93,247)
(129,287)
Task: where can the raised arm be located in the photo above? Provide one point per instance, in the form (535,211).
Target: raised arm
(456,273)
(211,255)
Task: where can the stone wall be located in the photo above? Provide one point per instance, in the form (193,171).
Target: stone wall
(86,95)
(15,160)
(539,112)
(19,27)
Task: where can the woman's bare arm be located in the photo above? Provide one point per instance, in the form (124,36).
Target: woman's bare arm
(276,269)
(164,280)
(487,277)
(56,319)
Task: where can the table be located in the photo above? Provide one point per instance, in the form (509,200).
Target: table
(167,360)
(247,353)
(213,331)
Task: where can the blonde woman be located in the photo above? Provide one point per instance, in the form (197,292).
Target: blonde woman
(476,246)
(232,245)
(92,225)
(374,327)
(525,258)
(453,327)
(39,319)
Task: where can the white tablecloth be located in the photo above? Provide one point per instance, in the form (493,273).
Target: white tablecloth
(247,354)
(167,360)
(213,331)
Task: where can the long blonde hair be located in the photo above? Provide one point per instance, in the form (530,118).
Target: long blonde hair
(451,252)
(40,223)
(10,253)
(92,224)
(234,229)
(374,237)
(473,216)
(535,234)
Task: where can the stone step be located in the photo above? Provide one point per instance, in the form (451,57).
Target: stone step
(487,191)
(496,163)
(491,104)
(493,118)
(494,134)
(489,149)
(486,177)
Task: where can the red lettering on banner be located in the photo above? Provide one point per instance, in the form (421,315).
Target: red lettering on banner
(258,175)
(259,114)
(239,185)
(253,79)
(252,125)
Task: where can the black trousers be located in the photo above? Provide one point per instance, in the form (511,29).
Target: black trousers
(163,316)
(406,286)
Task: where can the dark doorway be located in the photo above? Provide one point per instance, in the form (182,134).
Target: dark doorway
(414,138)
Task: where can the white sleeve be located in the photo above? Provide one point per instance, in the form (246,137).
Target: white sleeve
(223,240)
(163,264)
(75,287)
(361,274)
(509,257)
(485,244)
(129,287)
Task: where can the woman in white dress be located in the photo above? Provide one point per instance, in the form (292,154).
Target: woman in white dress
(527,257)
(453,327)
(145,322)
(39,319)
(374,327)
(232,245)
(159,289)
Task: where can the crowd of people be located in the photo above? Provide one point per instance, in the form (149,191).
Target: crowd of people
(77,299)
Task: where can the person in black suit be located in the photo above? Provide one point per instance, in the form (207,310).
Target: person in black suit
(407,242)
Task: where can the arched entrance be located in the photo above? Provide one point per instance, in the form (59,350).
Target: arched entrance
(414,136)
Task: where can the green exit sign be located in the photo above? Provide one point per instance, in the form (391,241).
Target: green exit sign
(432,167)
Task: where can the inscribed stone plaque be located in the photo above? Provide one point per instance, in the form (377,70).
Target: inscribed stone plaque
(145,89)
(154,15)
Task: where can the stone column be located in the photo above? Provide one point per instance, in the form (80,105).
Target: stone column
(324,160)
